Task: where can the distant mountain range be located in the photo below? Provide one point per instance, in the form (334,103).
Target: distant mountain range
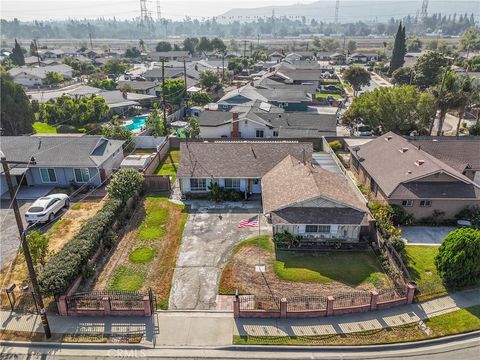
(353,10)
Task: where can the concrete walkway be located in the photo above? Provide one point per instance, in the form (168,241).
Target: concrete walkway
(213,329)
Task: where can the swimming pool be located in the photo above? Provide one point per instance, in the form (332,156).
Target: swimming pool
(137,123)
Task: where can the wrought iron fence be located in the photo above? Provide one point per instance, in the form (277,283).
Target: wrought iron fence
(302,303)
(119,300)
(252,302)
(354,298)
(390,294)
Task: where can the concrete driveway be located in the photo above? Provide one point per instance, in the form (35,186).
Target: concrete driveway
(208,240)
(425,235)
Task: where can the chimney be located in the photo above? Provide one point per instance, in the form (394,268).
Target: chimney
(235,134)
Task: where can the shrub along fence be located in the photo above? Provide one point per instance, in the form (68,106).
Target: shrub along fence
(251,306)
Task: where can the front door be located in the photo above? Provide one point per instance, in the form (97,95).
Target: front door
(256,186)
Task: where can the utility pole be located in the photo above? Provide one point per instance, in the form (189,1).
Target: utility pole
(91,43)
(24,243)
(244,48)
(36,50)
(223,66)
(185,79)
(163,94)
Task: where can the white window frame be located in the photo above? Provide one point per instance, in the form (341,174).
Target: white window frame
(257,131)
(407,203)
(198,188)
(233,184)
(319,229)
(82,174)
(312,227)
(48,173)
(425,203)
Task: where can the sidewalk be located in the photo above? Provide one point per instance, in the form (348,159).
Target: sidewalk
(208,329)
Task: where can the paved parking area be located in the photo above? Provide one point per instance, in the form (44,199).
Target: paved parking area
(425,235)
(209,237)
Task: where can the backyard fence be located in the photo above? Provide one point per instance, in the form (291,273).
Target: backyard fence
(245,306)
(106,303)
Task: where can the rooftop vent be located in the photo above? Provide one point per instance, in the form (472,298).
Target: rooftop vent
(409,172)
(388,138)
(403,150)
(419,162)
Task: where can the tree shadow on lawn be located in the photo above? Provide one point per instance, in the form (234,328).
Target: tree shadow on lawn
(352,268)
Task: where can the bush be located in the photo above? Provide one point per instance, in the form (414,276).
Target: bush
(63,267)
(286,239)
(218,193)
(66,129)
(398,243)
(125,183)
(383,214)
(400,216)
(38,246)
(335,145)
(458,259)
(472,214)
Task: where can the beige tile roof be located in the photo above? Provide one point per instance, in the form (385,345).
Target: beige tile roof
(391,160)
(292,181)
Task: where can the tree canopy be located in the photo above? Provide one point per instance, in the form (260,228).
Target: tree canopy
(403,76)
(200,98)
(155,123)
(357,76)
(428,69)
(17,55)
(163,46)
(174,90)
(401,109)
(16,110)
(114,67)
(53,77)
(399,50)
(209,79)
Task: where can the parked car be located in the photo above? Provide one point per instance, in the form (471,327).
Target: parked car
(45,208)
(362,130)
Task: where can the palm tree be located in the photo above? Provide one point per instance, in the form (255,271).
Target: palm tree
(469,94)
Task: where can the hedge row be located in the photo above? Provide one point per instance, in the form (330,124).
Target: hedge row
(63,267)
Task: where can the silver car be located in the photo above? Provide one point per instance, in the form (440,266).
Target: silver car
(45,208)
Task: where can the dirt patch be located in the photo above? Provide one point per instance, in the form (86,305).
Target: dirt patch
(240,274)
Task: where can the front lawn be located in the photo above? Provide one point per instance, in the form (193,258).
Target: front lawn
(421,264)
(170,165)
(145,256)
(326,96)
(44,128)
(296,273)
(456,322)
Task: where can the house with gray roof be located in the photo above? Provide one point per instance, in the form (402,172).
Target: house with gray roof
(61,160)
(35,76)
(426,183)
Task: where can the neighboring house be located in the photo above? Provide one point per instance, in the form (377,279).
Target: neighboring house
(168,55)
(51,54)
(398,172)
(297,73)
(362,57)
(338,58)
(61,160)
(35,76)
(287,99)
(156,74)
(298,56)
(140,87)
(275,56)
(317,205)
(121,102)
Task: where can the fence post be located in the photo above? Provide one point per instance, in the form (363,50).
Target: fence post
(236,308)
(107,307)
(410,293)
(373,300)
(62,306)
(283,308)
(330,301)
(147,306)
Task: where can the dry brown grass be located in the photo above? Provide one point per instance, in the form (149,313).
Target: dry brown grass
(59,234)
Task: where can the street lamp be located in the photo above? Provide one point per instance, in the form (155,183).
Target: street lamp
(23,240)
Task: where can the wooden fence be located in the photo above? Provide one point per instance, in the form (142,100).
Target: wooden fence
(157,183)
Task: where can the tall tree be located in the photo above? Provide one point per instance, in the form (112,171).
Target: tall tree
(399,50)
(428,69)
(189,44)
(17,55)
(357,77)
(16,111)
(163,46)
(470,40)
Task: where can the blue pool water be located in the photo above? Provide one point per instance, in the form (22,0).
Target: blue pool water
(137,124)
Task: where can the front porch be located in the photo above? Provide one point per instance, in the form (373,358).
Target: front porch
(29,192)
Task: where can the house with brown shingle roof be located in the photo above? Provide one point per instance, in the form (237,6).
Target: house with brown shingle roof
(402,173)
(297,196)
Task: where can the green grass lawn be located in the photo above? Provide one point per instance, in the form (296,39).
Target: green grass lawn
(127,279)
(142,255)
(44,128)
(353,268)
(170,165)
(325,96)
(456,322)
(153,225)
(421,264)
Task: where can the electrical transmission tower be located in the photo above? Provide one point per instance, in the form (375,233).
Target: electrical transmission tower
(159,11)
(144,13)
(424,12)
(337,7)
(273,22)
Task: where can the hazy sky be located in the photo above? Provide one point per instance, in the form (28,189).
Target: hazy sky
(125,9)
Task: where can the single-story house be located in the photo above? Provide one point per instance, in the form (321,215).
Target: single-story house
(168,55)
(35,76)
(362,57)
(338,58)
(51,54)
(120,102)
(61,160)
(275,56)
(398,172)
(318,203)
(140,87)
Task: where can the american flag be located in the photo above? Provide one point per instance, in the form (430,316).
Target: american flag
(248,223)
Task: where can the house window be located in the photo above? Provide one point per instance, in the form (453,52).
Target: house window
(259,133)
(425,203)
(48,175)
(275,133)
(198,185)
(407,203)
(324,229)
(232,184)
(82,175)
(311,228)
(317,229)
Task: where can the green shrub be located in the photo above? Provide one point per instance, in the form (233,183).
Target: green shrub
(66,129)
(335,145)
(286,239)
(472,214)
(383,214)
(125,183)
(398,243)
(458,258)
(400,216)
(38,246)
(218,193)
(63,267)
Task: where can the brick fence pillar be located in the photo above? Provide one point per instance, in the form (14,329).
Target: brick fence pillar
(236,308)
(62,306)
(410,293)
(330,301)
(147,306)
(283,308)
(373,300)
(107,307)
